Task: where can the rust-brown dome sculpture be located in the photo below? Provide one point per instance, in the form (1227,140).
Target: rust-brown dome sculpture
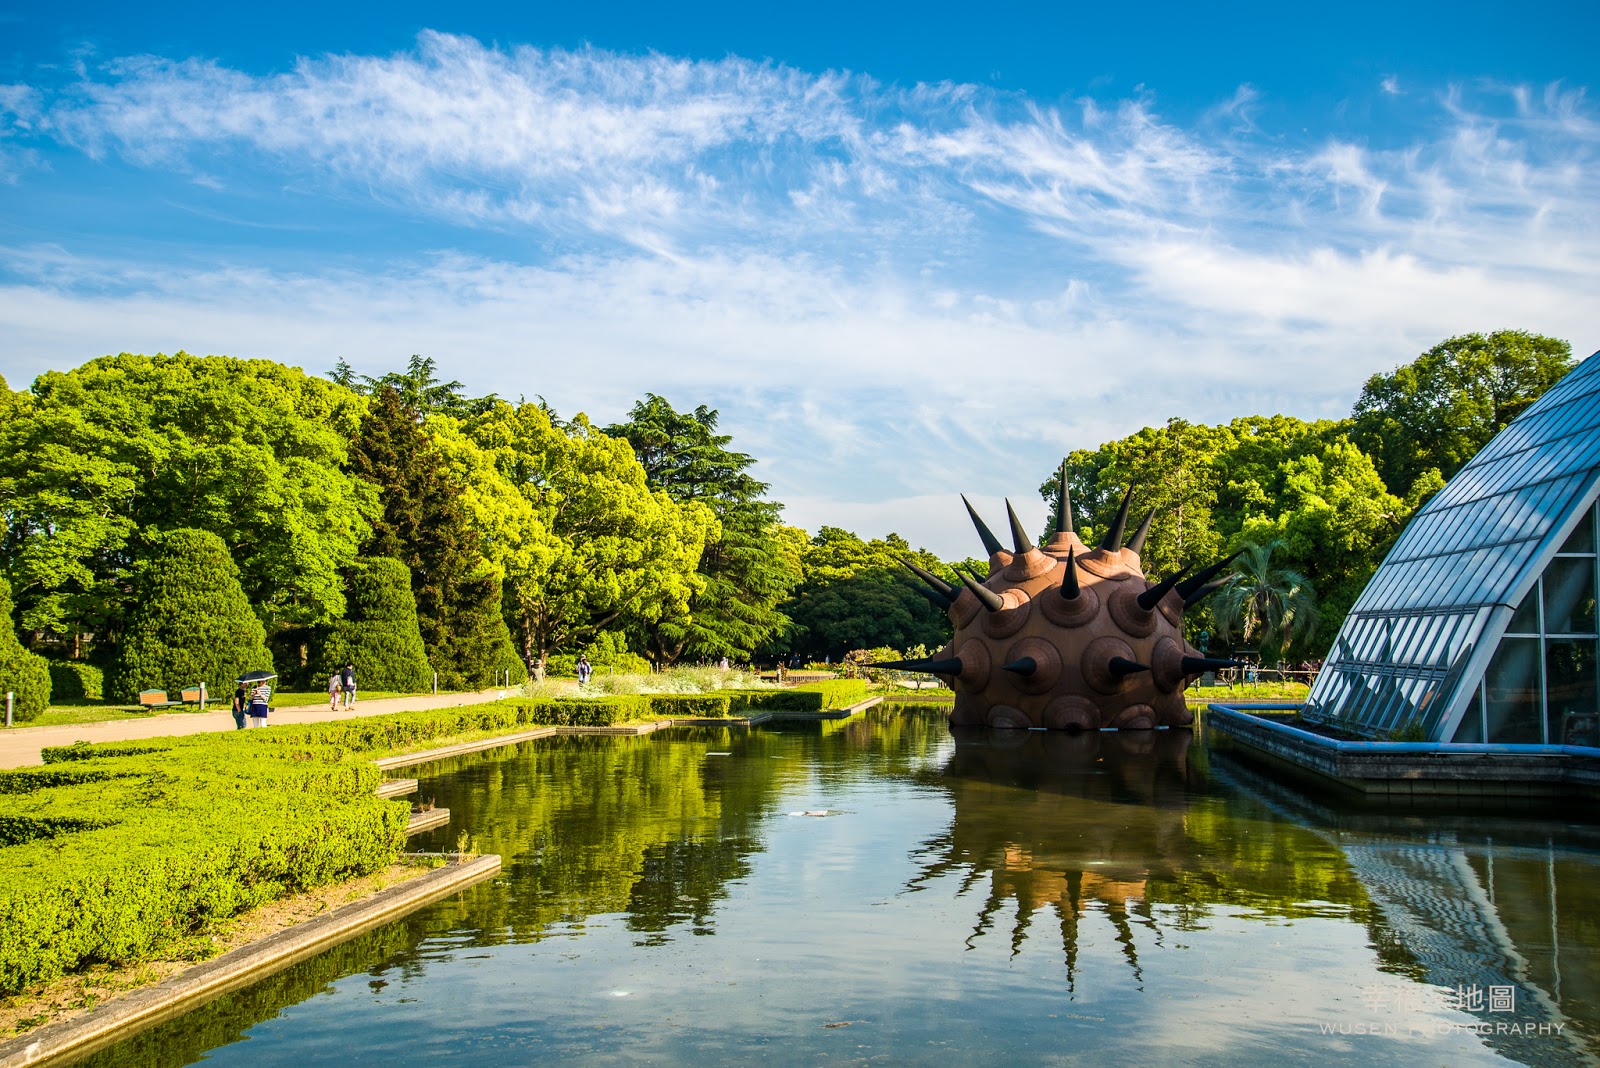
(1066,637)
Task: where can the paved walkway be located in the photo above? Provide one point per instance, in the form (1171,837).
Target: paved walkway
(20,746)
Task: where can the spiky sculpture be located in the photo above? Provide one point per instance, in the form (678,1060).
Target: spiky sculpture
(1067,637)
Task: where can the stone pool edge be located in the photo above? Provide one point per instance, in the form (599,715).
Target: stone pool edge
(143,1008)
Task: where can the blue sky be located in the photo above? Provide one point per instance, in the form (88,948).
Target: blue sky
(907,250)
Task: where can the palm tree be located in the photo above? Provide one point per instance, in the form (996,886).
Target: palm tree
(1274,605)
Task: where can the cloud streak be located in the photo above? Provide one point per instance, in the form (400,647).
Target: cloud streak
(893,291)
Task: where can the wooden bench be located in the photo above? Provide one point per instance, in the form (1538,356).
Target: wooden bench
(193,695)
(156,699)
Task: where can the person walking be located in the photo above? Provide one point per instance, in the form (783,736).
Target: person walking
(584,670)
(241,702)
(347,683)
(335,688)
(260,694)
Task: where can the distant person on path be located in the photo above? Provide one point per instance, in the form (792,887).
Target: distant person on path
(584,670)
(723,663)
(241,702)
(347,683)
(260,694)
(335,688)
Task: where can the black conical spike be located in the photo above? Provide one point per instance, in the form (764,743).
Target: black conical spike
(1203,592)
(1136,543)
(931,579)
(1063,504)
(939,600)
(1069,581)
(1019,538)
(1204,576)
(1195,665)
(991,544)
(1152,597)
(1023,666)
(948,666)
(1113,539)
(991,600)
(1121,667)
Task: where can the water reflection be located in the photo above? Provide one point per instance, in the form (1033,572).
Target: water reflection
(985,896)
(1113,825)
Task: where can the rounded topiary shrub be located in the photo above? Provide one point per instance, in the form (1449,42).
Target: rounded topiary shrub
(76,680)
(190,622)
(380,635)
(21,672)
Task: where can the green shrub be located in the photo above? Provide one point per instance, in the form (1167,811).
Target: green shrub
(24,673)
(670,705)
(380,636)
(812,697)
(190,622)
(76,680)
(207,827)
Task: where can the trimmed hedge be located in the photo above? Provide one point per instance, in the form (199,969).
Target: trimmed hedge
(198,830)
(190,623)
(74,680)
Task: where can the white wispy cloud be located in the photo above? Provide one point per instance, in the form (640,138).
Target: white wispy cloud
(891,291)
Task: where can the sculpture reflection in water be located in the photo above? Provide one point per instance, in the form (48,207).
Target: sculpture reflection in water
(1113,827)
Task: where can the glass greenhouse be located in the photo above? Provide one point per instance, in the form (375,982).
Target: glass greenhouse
(1480,624)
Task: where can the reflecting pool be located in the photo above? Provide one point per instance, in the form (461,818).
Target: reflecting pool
(878,890)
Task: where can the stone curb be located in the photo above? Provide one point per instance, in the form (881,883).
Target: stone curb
(141,1009)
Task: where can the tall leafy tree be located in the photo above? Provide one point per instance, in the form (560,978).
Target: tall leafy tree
(1435,412)
(425,525)
(567,514)
(99,460)
(744,570)
(855,596)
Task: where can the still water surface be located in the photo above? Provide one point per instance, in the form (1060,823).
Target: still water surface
(876,890)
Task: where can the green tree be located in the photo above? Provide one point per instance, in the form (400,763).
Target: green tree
(103,458)
(190,622)
(21,672)
(426,526)
(745,573)
(1271,605)
(854,596)
(419,388)
(380,635)
(567,515)
(1440,409)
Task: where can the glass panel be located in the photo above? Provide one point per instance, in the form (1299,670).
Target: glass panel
(1582,539)
(1471,729)
(1569,596)
(1526,619)
(1571,667)
(1512,684)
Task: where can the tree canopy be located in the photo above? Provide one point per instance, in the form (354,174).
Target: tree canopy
(101,459)
(744,573)
(1437,411)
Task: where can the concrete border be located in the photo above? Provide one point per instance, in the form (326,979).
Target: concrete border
(138,1010)
(1413,771)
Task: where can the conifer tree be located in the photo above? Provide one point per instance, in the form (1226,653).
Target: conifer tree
(190,621)
(425,527)
(379,635)
(21,672)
